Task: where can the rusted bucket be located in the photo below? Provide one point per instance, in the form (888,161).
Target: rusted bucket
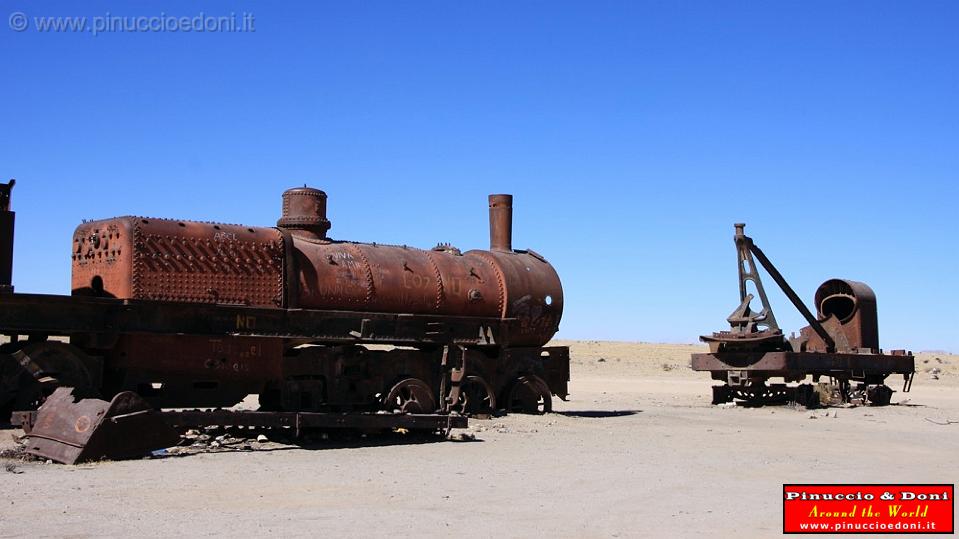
(70,429)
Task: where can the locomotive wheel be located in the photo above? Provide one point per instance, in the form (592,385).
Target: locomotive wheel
(411,396)
(530,395)
(29,375)
(476,397)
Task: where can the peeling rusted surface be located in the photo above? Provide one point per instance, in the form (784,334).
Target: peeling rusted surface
(852,307)
(169,260)
(70,428)
(500,283)
(304,209)
(383,278)
(194,314)
(501,223)
(841,342)
(186,261)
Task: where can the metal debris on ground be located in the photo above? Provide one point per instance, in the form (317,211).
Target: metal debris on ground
(70,429)
(943,423)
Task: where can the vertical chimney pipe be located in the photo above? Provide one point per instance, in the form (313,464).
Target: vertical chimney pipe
(7,220)
(501,223)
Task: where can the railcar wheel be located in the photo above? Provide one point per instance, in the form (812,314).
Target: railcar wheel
(476,397)
(530,395)
(411,396)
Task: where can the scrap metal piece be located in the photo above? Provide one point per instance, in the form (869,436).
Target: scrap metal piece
(71,429)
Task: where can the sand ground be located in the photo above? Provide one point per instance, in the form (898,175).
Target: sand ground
(638,451)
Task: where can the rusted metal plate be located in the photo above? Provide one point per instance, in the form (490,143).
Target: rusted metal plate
(386,278)
(24,420)
(531,294)
(71,429)
(169,260)
(382,278)
(851,306)
(189,371)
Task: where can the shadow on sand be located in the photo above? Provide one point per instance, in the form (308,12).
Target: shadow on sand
(599,414)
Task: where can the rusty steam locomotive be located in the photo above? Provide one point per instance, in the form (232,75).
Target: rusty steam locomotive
(196,314)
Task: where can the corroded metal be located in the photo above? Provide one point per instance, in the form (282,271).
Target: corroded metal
(841,342)
(70,428)
(192,314)
(184,261)
(304,209)
(501,283)
(850,306)
(501,223)
(296,266)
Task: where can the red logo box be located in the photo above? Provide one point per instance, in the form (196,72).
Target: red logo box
(868,508)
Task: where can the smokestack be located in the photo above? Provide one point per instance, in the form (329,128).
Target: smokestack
(304,211)
(7,219)
(501,223)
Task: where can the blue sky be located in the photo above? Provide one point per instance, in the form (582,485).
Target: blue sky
(632,134)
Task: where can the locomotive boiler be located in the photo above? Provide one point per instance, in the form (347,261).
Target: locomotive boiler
(296,265)
(198,314)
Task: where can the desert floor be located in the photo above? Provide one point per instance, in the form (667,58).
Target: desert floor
(637,451)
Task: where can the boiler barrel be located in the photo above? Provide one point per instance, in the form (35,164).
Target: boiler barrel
(188,261)
(385,278)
